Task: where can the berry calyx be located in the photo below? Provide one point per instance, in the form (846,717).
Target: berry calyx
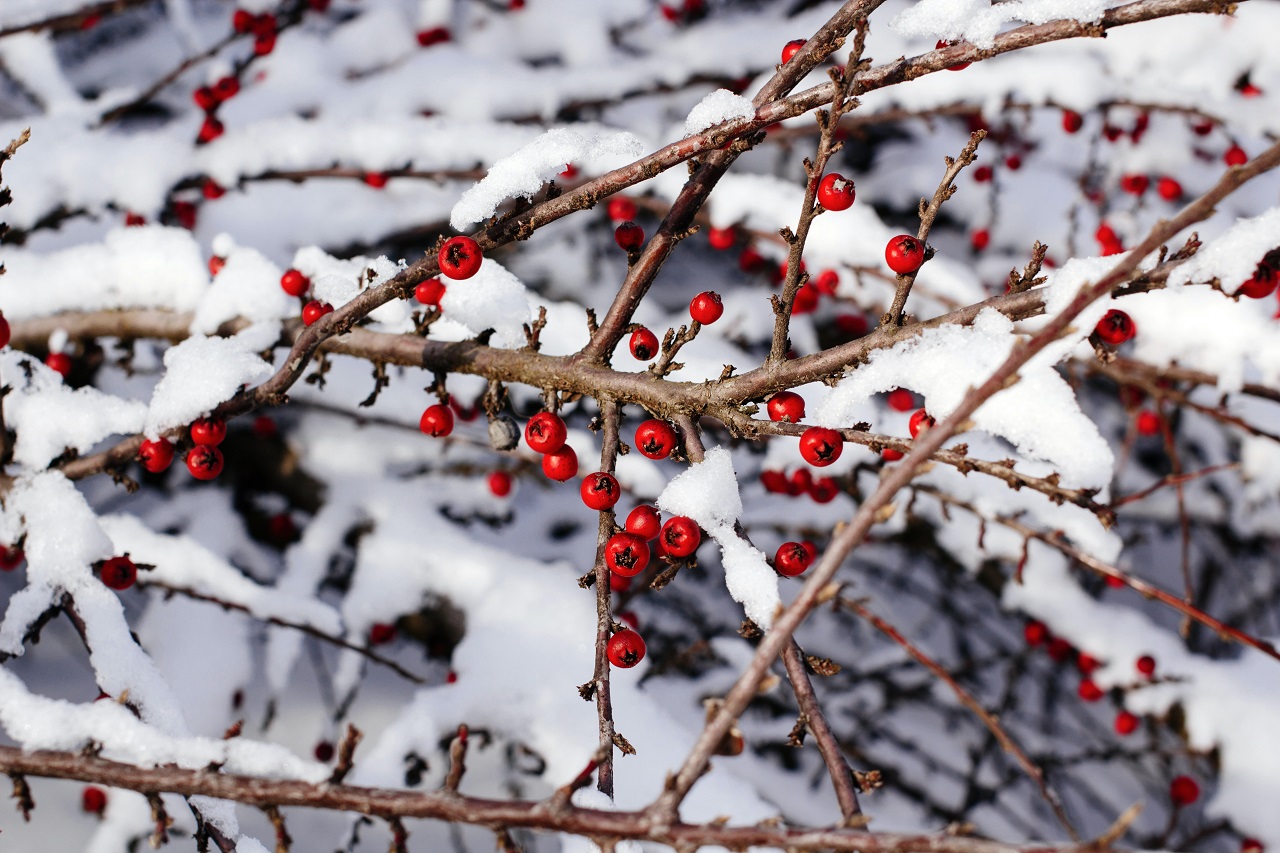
(1072,121)
(314,310)
(721,238)
(430,292)
(644,344)
(629,236)
(792,559)
(600,491)
(680,536)
(294,282)
(545,432)
(210,431)
(644,522)
(625,649)
(1126,723)
(622,208)
(786,407)
(560,465)
(436,421)
(93,800)
(706,307)
(1115,327)
(904,254)
(155,455)
(656,439)
(835,192)
(118,573)
(1235,156)
(1146,665)
(1184,790)
(204,461)
(59,362)
(921,421)
(820,446)
(791,48)
(500,483)
(460,257)
(626,554)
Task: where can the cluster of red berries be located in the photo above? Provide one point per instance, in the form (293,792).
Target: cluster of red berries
(801,482)
(263,28)
(1136,183)
(204,460)
(546,433)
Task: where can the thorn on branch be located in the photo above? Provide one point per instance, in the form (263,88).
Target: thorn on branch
(623,744)
(798,731)
(380,381)
(161,819)
(533,333)
(22,792)
(825,667)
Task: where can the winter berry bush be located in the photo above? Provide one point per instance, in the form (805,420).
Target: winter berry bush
(575,425)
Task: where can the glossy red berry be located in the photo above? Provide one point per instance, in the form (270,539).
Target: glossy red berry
(800,482)
(706,307)
(1089,691)
(827,282)
(820,446)
(806,301)
(622,208)
(204,461)
(155,455)
(545,433)
(921,421)
(436,421)
(460,257)
(210,130)
(680,536)
(1169,189)
(629,236)
(242,20)
(205,98)
(1072,121)
(835,192)
(1148,422)
(500,483)
(625,649)
(959,66)
(904,254)
(823,489)
(381,633)
(1086,663)
(560,465)
(644,522)
(1262,283)
(294,282)
(901,400)
(774,482)
(644,344)
(226,88)
(1235,156)
(1115,327)
(792,559)
(1146,665)
(11,557)
(210,431)
(626,554)
(93,799)
(1183,790)
(1035,632)
(1013,162)
(721,238)
(791,48)
(656,439)
(118,573)
(600,491)
(1134,184)
(1126,723)
(314,310)
(890,454)
(430,292)
(434,35)
(59,362)
(786,407)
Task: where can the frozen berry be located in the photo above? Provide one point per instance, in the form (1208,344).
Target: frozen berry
(792,559)
(625,649)
(155,454)
(656,439)
(545,432)
(622,208)
(560,465)
(59,362)
(118,573)
(204,461)
(500,483)
(460,257)
(600,491)
(626,554)
(430,292)
(786,407)
(820,446)
(1115,327)
(210,431)
(904,254)
(436,420)
(629,236)
(314,310)
(680,536)
(644,344)
(921,421)
(1262,283)
(835,192)
(791,48)
(706,307)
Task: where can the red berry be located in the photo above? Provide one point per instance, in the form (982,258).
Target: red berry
(622,208)
(1035,632)
(1235,156)
(570,172)
(209,431)
(901,400)
(210,130)
(1089,691)
(264,43)
(806,301)
(786,407)
(93,799)
(904,254)
(435,35)
(216,264)
(377,180)
(560,465)
(1202,128)
(205,98)
(980,239)
(959,66)
(1148,423)
(264,24)
(436,421)
(835,192)
(629,618)
(1086,663)
(1134,184)
(706,307)
(1115,327)
(1169,189)
(800,483)
(118,573)
(1261,284)
(1183,790)
(5,331)
(617,583)
(59,362)
(751,261)
(792,559)
(314,310)
(721,238)
(823,490)
(656,439)
(680,536)
(629,236)
(1146,665)
(323,752)
(11,557)
(982,174)
(226,88)
(791,48)
(1059,649)
(155,455)
(430,292)
(500,483)
(460,257)
(644,344)
(242,20)
(264,428)
(625,649)
(1251,845)
(921,421)
(890,454)
(827,282)
(1072,121)
(774,481)
(644,522)
(853,325)
(600,491)
(381,633)
(211,189)
(820,446)
(204,461)
(546,433)
(1126,723)
(626,554)
(1013,162)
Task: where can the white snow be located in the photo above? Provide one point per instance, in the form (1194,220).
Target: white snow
(719,106)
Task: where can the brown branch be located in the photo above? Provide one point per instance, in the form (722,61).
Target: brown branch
(841,775)
(604,605)
(74,20)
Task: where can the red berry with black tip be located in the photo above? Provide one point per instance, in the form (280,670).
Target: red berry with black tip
(460,257)
(706,307)
(921,421)
(792,559)
(622,208)
(210,431)
(625,649)
(436,420)
(626,554)
(294,282)
(118,573)
(430,292)
(629,236)
(656,439)
(600,491)
(560,465)
(786,407)
(1115,327)
(204,461)
(835,192)
(791,48)
(680,536)
(226,88)
(820,446)
(644,344)
(644,522)
(904,254)
(155,454)
(545,432)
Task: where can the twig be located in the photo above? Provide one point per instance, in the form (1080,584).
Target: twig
(816,720)
(604,606)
